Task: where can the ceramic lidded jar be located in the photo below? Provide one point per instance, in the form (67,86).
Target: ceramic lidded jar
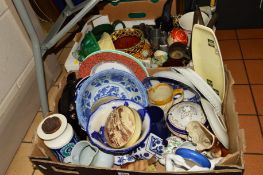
(58,135)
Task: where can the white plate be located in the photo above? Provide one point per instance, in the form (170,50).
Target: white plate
(110,65)
(174,76)
(216,123)
(202,87)
(207,58)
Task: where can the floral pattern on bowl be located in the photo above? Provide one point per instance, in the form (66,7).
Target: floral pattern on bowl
(112,82)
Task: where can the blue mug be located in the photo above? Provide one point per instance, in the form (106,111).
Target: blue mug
(158,124)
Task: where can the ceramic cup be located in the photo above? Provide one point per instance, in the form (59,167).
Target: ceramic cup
(82,153)
(186,22)
(103,160)
(86,154)
(158,124)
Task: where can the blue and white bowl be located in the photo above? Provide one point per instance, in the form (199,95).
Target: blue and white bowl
(114,83)
(97,121)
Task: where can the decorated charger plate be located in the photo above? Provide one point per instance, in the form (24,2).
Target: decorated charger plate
(207,58)
(112,59)
(217,123)
(108,83)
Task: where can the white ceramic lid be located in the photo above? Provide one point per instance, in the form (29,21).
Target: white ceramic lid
(45,136)
(207,58)
(217,125)
(62,140)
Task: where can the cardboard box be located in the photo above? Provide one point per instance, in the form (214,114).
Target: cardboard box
(135,10)
(233,164)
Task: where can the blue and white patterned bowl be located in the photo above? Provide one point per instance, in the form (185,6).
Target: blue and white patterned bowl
(97,121)
(116,83)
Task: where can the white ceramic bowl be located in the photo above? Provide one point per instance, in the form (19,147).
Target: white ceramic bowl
(97,121)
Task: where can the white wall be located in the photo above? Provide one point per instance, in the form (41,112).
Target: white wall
(19,99)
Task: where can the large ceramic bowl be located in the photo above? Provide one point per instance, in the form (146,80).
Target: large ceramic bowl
(97,121)
(108,83)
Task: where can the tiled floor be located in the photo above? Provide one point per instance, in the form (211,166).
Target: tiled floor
(242,52)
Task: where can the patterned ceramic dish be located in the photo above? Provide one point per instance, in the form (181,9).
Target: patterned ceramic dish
(97,121)
(179,115)
(189,93)
(123,61)
(111,82)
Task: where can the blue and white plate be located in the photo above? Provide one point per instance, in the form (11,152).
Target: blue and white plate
(97,121)
(113,82)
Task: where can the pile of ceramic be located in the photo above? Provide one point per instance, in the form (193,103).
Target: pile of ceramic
(171,118)
(135,121)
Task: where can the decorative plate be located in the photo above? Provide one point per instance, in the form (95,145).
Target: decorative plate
(202,87)
(97,121)
(123,61)
(217,124)
(111,82)
(189,93)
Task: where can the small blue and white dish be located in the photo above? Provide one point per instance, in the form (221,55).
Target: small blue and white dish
(189,93)
(113,82)
(194,157)
(152,146)
(97,121)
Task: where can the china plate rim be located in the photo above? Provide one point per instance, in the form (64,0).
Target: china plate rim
(140,64)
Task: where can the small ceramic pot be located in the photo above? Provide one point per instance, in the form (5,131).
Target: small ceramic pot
(58,135)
